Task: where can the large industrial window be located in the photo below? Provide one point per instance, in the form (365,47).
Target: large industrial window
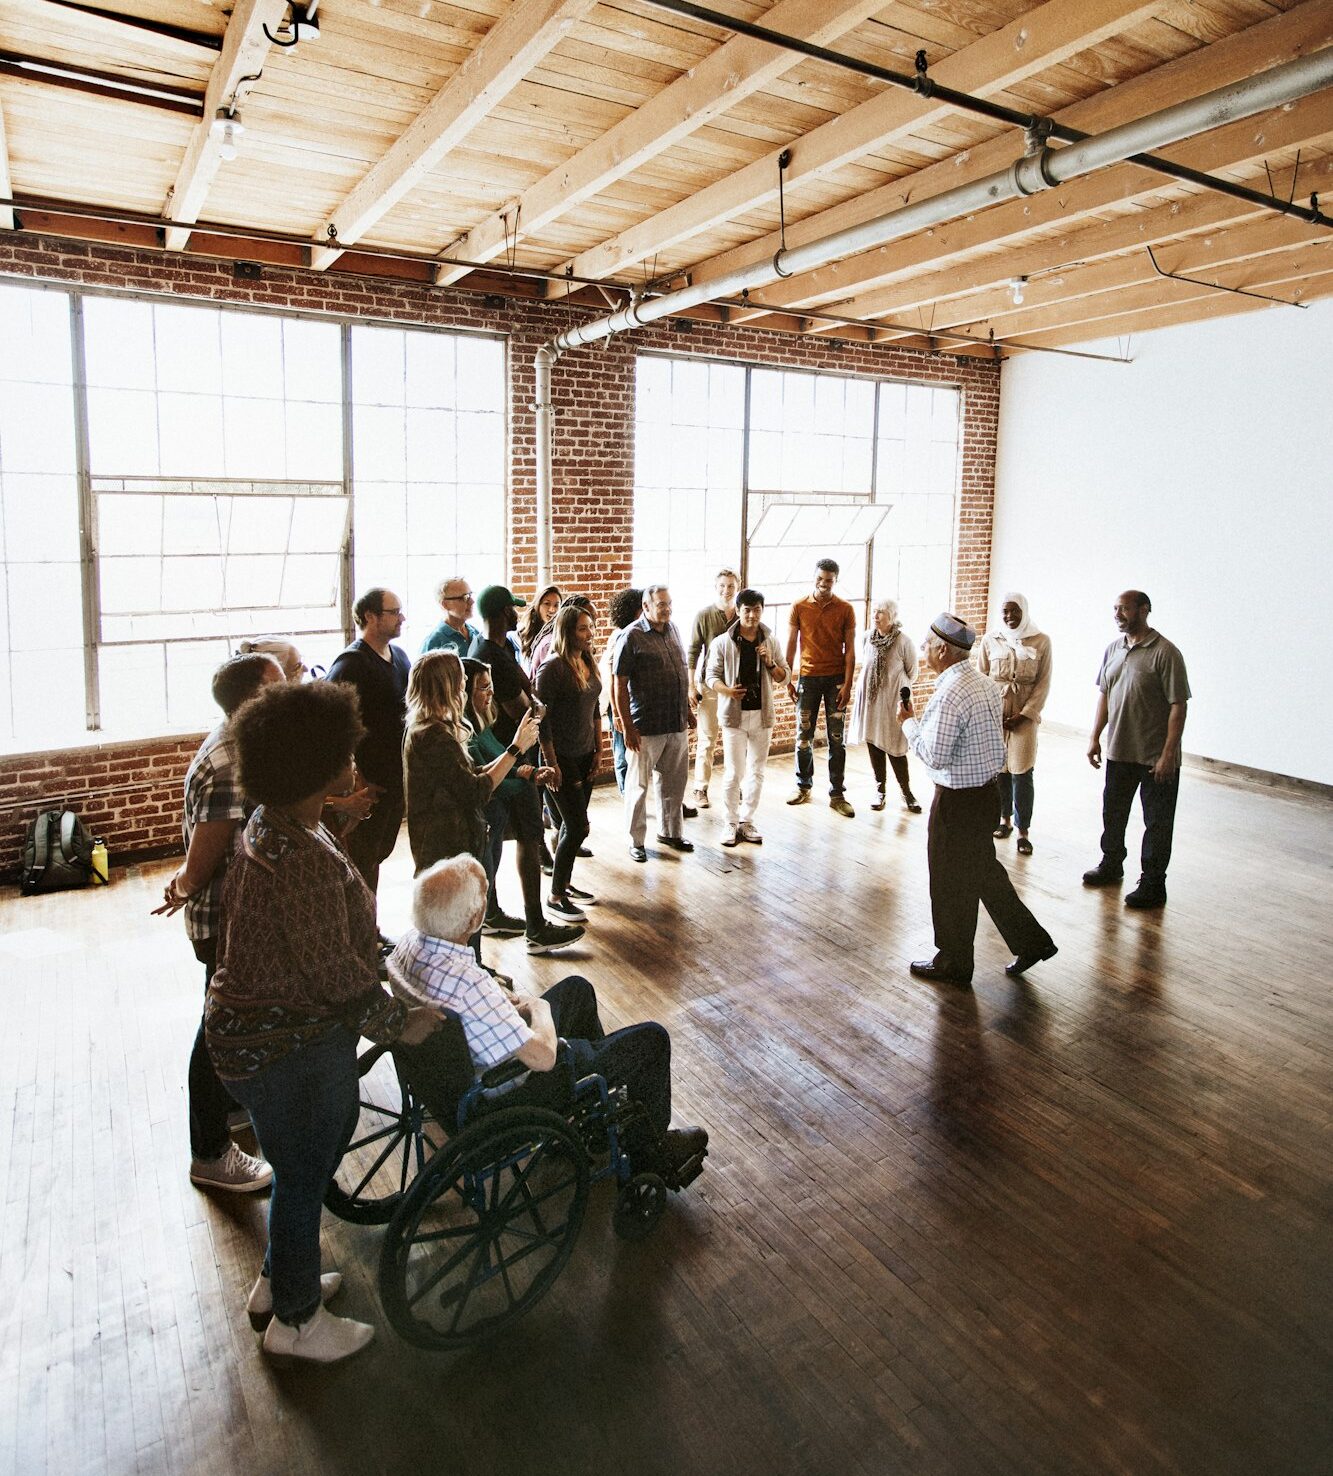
(175,477)
(768,470)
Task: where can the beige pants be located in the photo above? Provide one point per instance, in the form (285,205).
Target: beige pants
(705,738)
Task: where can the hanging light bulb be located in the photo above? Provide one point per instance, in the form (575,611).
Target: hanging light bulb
(228,128)
(1016,286)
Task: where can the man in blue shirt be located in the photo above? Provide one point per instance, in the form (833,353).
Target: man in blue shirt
(453,633)
(960,739)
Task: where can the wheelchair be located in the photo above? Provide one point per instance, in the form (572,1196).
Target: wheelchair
(484,1197)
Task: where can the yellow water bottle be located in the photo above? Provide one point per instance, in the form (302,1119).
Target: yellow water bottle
(101,862)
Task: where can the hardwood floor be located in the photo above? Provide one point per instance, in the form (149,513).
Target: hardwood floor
(1075,1225)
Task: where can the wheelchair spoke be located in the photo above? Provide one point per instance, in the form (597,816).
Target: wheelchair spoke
(483,1250)
(379,1163)
(438,1275)
(375,1137)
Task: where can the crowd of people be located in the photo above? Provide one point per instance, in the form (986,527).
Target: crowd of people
(493,733)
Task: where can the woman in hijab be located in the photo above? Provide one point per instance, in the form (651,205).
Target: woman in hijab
(888,662)
(1018,657)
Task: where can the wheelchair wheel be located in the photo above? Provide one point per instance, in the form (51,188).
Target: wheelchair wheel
(488,1226)
(388,1147)
(639,1206)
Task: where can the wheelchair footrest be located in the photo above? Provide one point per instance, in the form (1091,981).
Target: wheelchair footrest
(687,1172)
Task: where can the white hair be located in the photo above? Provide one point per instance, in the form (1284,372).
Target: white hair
(446,897)
(890,605)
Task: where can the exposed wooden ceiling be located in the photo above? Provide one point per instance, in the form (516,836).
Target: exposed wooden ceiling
(621,143)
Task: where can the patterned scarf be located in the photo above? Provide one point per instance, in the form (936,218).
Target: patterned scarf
(882,648)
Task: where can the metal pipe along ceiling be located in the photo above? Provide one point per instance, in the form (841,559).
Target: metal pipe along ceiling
(1041,169)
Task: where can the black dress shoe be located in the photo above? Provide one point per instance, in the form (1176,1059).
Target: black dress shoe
(1025,961)
(675,842)
(1145,896)
(688,811)
(1103,876)
(928,968)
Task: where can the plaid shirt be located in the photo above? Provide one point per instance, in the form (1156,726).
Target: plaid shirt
(211,793)
(960,737)
(653,662)
(434,971)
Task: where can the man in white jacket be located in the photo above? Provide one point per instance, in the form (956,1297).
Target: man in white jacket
(743,664)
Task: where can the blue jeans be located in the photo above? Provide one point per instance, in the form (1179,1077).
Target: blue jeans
(304,1109)
(1016,794)
(620,762)
(812,691)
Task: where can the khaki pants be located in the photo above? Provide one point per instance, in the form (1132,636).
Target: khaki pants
(665,756)
(705,738)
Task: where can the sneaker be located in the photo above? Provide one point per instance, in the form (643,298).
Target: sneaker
(1103,875)
(839,806)
(565,909)
(579,895)
(909,803)
(638,853)
(732,836)
(322,1338)
(879,801)
(749,833)
(701,798)
(259,1305)
(801,797)
(550,936)
(235,1171)
(501,925)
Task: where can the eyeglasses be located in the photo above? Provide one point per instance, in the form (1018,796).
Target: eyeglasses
(389,611)
(453,599)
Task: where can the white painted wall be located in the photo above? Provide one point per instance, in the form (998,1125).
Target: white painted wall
(1203,474)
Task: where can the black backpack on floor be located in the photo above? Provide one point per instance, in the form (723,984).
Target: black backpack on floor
(57,854)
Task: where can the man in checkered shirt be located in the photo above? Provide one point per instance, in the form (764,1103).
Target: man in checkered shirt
(960,739)
(434,964)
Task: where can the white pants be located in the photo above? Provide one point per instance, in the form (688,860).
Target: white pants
(705,738)
(744,752)
(667,756)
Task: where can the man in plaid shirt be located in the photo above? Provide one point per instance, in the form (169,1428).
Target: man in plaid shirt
(433,964)
(960,739)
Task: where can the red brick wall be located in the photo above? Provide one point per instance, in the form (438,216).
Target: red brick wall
(130,793)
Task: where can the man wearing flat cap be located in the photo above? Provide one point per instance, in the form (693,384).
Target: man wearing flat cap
(960,739)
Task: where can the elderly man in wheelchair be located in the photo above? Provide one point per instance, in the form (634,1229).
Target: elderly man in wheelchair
(506,1115)
(433,964)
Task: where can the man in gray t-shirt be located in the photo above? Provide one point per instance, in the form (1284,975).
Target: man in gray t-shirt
(1142,696)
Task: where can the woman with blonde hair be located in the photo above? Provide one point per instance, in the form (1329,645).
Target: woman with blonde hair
(447,793)
(571,688)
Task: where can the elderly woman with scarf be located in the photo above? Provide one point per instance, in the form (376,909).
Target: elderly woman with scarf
(1018,658)
(888,663)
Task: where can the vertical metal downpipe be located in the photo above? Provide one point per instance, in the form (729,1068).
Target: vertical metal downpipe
(545,458)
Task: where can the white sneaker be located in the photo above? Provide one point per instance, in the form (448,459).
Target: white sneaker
(747,832)
(733,836)
(700,798)
(323,1338)
(260,1302)
(236,1171)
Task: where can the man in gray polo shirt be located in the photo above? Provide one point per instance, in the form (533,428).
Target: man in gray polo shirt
(1143,693)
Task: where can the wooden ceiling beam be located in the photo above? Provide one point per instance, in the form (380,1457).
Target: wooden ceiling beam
(1270,274)
(736,70)
(244,49)
(6,180)
(1033,42)
(1106,238)
(1284,37)
(1194,310)
(502,58)
(1271,236)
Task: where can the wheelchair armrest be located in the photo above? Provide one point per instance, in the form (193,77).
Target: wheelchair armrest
(501,1075)
(493,1086)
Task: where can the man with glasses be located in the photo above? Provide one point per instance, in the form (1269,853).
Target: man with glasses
(453,632)
(378,670)
(960,739)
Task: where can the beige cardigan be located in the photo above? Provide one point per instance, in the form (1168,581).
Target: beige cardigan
(1026,683)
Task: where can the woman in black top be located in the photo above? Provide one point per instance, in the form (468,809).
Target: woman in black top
(568,683)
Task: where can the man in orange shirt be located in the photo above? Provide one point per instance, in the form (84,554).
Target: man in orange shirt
(825,627)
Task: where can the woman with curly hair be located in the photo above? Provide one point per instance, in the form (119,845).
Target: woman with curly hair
(447,793)
(297,982)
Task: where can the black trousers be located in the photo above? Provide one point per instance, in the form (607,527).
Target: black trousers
(374,839)
(637,1057)
(964,872)
(570,803)
(1159,816)
(210,1101)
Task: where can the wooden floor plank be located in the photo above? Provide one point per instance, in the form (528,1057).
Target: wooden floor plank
(1078,1225)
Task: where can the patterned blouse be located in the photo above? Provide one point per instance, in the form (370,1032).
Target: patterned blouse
(299,950)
